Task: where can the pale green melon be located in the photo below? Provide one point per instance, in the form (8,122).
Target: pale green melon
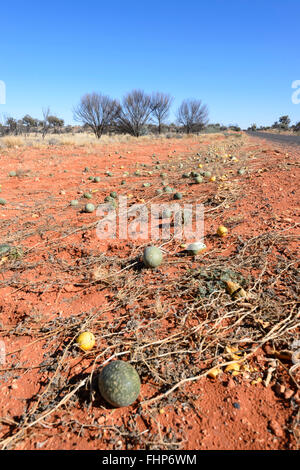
(89,208)
(152,257)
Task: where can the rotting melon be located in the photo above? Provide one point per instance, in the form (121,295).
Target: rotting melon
(119,383)
(222,231)
(86,340)
(196,248)
(152,257)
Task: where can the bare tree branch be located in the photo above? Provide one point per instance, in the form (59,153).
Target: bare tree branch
(135,113)
(192,115)
(97,111)
(161,104)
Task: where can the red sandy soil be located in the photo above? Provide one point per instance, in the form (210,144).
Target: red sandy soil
(42,291)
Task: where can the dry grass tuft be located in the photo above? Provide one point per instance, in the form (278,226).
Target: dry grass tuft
(12,141)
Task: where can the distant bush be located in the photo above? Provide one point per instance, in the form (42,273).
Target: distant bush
(296,127)
(53,141)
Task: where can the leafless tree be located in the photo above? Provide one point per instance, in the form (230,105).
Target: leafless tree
(135,112)
(97,112)
(161,104)
(192,115)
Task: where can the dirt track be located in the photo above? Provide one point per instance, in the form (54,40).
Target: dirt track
(279,138)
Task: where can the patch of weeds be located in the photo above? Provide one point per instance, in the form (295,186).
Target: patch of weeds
(214,279)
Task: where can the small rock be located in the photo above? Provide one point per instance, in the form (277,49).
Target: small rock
(276,429)
(231,383)
(288,394)
(279,389)
(297,397)
(101,420)
(246,422)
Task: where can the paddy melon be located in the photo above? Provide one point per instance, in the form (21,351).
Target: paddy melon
(198,179)
(152,257)
(89,208)
(119,383)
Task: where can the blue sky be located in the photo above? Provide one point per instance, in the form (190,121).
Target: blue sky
(239,57)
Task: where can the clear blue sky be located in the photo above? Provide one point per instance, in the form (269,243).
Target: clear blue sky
(240,57)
